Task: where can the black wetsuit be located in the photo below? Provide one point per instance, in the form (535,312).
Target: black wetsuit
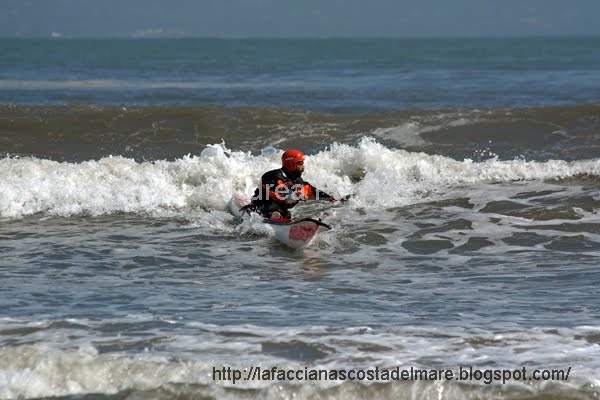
(276,193)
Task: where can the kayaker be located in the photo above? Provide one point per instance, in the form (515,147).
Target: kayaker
(283,188)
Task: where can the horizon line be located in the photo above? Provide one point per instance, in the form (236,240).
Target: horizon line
(55,36)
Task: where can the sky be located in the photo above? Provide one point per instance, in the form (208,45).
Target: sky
(298,18)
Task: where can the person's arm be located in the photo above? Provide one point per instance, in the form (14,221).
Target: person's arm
(319,194)
(316,194)
(312,193)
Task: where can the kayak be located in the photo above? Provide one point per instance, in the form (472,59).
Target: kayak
(294,233)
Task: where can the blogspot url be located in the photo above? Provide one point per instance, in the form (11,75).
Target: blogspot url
(463,374)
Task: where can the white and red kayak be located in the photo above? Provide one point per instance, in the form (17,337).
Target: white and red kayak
(296,233)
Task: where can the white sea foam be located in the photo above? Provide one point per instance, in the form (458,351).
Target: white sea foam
(53,369)
(380,177)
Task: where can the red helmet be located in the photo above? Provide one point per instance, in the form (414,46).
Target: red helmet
(290,158)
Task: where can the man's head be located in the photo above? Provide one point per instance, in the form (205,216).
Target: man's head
(293,161)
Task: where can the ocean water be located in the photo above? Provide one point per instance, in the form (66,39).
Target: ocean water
(471,242)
